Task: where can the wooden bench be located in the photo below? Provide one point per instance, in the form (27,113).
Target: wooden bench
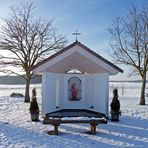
(56,123)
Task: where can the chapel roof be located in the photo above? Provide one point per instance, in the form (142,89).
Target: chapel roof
(82,47)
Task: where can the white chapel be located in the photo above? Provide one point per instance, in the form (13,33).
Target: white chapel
(75,78)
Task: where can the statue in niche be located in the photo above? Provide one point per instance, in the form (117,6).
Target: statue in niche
(74,89)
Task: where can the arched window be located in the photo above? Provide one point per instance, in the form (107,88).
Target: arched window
(74,89)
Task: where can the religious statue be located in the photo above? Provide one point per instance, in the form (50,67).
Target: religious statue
(74,91)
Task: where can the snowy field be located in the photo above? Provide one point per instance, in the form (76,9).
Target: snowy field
(17,130)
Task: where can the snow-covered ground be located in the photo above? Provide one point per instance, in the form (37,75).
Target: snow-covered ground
(17,130)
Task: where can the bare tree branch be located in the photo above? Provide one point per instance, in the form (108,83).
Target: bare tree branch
(129,45)
(28,40)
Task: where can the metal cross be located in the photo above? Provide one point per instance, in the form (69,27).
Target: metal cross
(76,34)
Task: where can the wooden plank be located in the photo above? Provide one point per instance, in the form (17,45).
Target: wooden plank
(74,121)
(59,121)
(52,121)
(84,121)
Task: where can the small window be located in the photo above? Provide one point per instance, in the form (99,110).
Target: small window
(75,71)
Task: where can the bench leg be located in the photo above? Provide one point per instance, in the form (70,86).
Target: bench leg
(93,129)
(56,130)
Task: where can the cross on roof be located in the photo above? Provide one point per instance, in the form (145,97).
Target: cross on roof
(76,34)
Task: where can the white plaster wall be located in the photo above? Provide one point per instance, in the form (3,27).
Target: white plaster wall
(49,92)
(94,92)
(107,96)
(89,91)
(100,93)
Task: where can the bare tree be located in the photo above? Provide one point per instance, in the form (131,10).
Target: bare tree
(27,41)
(130,43)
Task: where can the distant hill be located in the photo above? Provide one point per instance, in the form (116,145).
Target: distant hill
(37,80)
(18,80)
(128,81)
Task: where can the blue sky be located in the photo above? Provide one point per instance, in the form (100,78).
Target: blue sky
(91,18)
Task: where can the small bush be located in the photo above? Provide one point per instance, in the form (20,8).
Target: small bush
(16,95)
(34,108)
(115,106)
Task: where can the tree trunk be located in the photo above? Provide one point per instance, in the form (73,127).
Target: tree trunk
(142,98)
(27,96)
